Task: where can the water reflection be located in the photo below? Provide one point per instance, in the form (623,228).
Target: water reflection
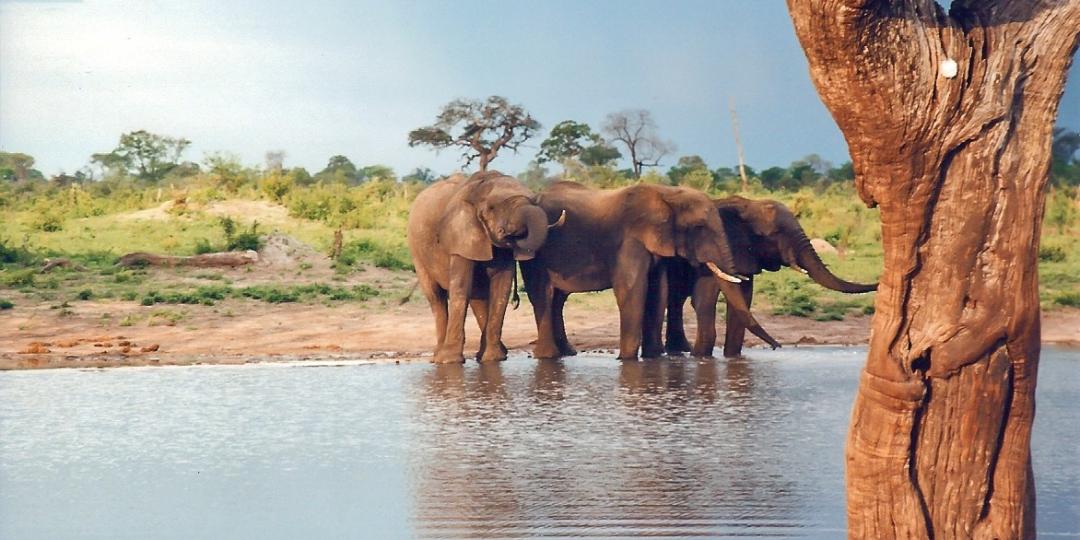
(670,447)
(586,447)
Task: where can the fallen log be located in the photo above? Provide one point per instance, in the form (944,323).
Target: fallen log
(228,258)
(60,262)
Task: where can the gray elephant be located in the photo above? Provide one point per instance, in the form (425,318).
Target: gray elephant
(465,234)
(622,239)
(764,235)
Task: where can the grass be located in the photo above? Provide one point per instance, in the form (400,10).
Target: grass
(93,229)
(273,294)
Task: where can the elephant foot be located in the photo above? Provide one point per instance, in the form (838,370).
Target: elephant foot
(567,349)
(492,354)
(448,357)
(702,352)
(653,351)
(677,345)
(546,351)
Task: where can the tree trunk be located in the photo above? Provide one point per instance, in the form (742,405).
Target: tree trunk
(957,161)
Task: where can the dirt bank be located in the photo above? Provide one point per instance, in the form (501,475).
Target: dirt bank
(98,334)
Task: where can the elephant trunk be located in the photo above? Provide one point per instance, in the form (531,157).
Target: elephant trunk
(742,311)
(536,225)
(727,258)
(808,259)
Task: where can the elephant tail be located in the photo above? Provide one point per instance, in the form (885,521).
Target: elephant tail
(515,299)
(409,294)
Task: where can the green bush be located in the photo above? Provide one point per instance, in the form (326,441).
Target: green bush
(18,278)
(6,304)
(85,294)
(245,241)
(1070,299)
(203,246)
(393,257)
(12,254)
(48,222)
(1052,254)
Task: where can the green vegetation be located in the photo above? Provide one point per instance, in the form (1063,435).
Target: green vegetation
(142,196)
(273,294)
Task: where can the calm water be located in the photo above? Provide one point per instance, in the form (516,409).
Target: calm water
(588,447)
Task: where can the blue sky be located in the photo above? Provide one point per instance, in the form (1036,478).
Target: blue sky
(321,78)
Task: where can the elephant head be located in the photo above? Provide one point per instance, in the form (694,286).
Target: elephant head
(683,223)
(696,234)
(765,235)
(494,210)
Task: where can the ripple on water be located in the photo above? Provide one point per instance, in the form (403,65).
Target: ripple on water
(583,448)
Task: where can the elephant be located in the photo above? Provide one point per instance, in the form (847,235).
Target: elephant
(764,235)
(622,239)
(465,235)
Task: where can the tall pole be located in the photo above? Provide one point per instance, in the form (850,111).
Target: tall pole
(738,144)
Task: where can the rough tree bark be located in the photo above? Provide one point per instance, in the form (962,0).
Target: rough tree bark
(939,443)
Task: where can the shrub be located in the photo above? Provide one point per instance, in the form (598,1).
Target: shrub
(244,241)
(1070,299)
(48,222)
(393,257)
(18,278)
(85,294)
(1052,254)
(11,254)
(6,304)
(202,246)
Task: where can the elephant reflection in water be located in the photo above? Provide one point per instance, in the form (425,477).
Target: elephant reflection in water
(719,405)
(492,460)
(549,380)
(461,480)
(732,379)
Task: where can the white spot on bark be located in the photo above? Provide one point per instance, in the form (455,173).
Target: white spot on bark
(948,68)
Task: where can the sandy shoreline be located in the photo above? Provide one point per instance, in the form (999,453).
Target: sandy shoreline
(102,334)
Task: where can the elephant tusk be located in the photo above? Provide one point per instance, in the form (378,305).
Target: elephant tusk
(799,268)
(721,274)
(559,222)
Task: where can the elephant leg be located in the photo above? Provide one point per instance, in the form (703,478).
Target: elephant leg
(679,284)
(479,309)
(675,339)
(653,320)
(538,287)
(558,301)
(706,293)
(436,297)
(735,331)
(491,345)
(461,283)
(631,286)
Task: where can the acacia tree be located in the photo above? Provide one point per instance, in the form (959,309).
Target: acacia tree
(575,140)
(146,155)
(636,130)
(949,118)
(480,128)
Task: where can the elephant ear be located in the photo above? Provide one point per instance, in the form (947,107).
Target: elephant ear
(652,222)
(462,234)
(740,235)
(764,217)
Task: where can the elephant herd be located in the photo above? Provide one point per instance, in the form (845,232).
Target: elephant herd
(654,245)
